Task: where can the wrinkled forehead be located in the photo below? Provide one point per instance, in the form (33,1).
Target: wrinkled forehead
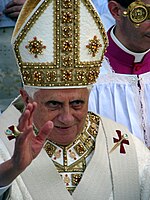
(31,91)
(62,94)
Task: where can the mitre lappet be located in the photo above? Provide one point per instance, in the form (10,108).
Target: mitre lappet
(59,43)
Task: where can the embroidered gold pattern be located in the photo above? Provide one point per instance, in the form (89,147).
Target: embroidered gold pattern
(50,149)
(35,47)
(66,46)
(80,149)
(76,179)
(81,76)
(91,74)
(26,75)
(67,17)
(37,75)
(71,161)
(67,31)
(67,75)
(67,61)
(57,154)
(94,124)
(72,154)
(66,179)
(67,3)
(94,46)
(51,76)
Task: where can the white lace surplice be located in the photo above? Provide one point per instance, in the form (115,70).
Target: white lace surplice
(125,99)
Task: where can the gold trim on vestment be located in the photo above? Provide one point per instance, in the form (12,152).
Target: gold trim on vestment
(71,160)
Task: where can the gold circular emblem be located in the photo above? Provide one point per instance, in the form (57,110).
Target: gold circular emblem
(138,14)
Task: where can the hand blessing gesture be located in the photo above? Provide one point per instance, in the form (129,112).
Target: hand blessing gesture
(28,145)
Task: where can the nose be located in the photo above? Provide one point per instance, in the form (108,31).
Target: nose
(66,116)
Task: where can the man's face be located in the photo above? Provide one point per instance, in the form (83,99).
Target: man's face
(136,39)
(66,108)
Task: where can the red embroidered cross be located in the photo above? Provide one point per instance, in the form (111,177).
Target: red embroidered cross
(122,140)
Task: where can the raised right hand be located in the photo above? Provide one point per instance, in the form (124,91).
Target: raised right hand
(27,146)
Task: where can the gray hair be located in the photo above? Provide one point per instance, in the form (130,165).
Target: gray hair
(32,90)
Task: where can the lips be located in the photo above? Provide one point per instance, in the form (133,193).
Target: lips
(62,127)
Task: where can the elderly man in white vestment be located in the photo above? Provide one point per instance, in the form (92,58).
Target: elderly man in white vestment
(52,147)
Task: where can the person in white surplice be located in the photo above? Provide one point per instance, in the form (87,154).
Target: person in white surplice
(51,147)
(124,82)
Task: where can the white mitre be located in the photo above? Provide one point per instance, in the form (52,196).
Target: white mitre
(59,43)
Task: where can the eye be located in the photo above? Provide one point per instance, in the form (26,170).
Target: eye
(53,105)
(77,104)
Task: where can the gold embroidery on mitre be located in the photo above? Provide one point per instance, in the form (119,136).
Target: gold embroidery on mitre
(66,69)
(71,160)
(35,47)
(94,46)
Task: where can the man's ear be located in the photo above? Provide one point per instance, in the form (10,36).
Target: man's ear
(115,9)
(24,96)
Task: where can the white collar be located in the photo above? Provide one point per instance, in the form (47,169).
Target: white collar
(138,56)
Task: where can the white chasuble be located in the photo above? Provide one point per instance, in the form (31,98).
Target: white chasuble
(109,175)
